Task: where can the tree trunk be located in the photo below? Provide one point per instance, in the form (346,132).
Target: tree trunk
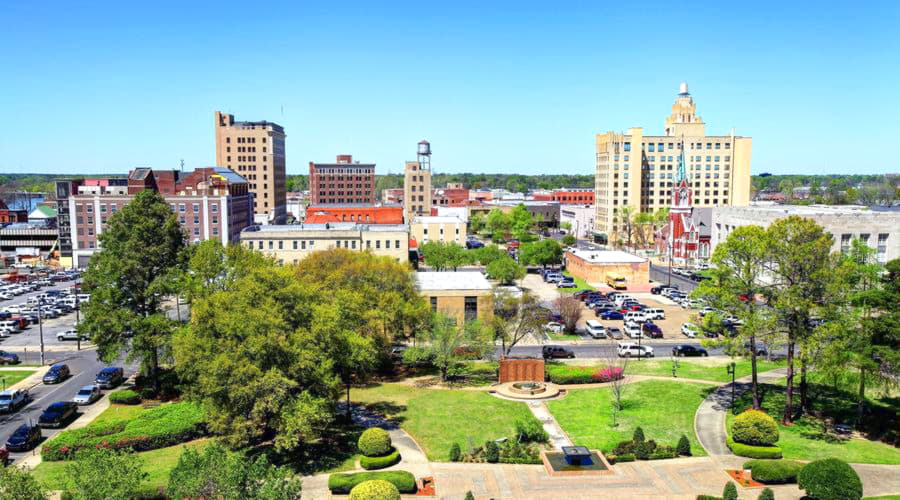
(349,417)
(804,392)
(754,384)
(788,416)
(861,404)
(154,370)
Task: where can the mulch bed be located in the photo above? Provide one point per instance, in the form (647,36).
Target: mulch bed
(743,479)
(427,489)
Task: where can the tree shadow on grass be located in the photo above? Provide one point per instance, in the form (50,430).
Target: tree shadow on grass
(338,445)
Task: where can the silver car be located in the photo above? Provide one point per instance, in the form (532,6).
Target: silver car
(87,395)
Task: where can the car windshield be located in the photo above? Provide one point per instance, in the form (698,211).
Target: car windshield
(20,432)
(5,397)
(84,392)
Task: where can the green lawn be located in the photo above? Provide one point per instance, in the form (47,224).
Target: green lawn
(10,377)
(699,369)
(665,411)
(437,418)
(805,439)
(563,336)
(580,284)
(156,463)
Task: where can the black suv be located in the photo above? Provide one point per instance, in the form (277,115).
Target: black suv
(25,438)
(56,374)
(688,350)
(110,377)
(8,358)
(555,351)
(57,414)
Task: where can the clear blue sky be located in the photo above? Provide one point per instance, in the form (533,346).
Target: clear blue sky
(516,87)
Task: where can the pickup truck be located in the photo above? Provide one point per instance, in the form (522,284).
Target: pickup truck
(13,399)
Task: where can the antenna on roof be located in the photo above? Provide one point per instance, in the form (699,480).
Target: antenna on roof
(182,165)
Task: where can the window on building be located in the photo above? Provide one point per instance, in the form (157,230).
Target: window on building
(90,208)
(214,208)
(181,207)
(433,304)
(196,231)
(378,244)
(881,249)
(845,242)
(471,308)
(627,147)
(271,245)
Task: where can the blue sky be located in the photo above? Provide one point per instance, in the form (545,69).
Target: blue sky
(514,87)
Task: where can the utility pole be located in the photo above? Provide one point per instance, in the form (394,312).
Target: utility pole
(41,328)
(77,318)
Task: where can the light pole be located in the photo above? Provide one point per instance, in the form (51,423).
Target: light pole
(674,366)
(77,319)
(731,370)
(41,329)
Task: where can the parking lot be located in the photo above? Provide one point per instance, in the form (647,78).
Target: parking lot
(670,326)
(29,338)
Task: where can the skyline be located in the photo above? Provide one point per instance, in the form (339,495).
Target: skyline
(495,89)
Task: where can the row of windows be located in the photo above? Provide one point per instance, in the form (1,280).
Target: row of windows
(245,140)
(341,172)
(310,244)
(661,146)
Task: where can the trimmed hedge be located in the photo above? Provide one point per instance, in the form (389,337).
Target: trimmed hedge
(124,397)
(566,374)
(755,428)
(374,442)
(375,489)
(749,451)
(774,471)
(342,484)
(830,479)
(159,427)
(708,497)
(373,463)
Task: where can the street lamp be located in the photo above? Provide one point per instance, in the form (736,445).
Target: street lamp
(674,366)
(77,319)
(730,369)
(41,328)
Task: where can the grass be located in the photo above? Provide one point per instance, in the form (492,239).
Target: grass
(156,463)
(580,285)
(698,369)
(10,377)
(437,418)
(563,336)
(806,440)
(664,410)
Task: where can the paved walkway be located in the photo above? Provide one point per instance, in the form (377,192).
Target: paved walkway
(709,421)
(412,458)
(558,438)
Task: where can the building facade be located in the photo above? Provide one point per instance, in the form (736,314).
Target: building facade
(569,196)
(463,296)
(353,212)
(580,218)
(210,203)
(593,266)
(255,150)
(637,171)
(434,228)
(341,182)
(416,190)
(8,216)
(879,229)
(289,244)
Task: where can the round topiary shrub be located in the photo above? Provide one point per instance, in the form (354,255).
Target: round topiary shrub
(375,489)
(374,442)
(373,463)
(830,479)
(755,428)
(125,397)
(774,471)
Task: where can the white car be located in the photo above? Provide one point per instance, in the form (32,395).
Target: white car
(707,310)
(87,395)
(635,316)
(13,309)
(70,335)
(690,330)
(628,350)
(5,296)
(633,330)
(554,327)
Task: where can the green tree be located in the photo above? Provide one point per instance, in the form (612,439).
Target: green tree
(799,271)
(476,224)
(517,317)
(498,224)
(128,279)
(104,473)
(569,240)
(218,473)
(521,222)
(19,484)
(738,278)
(212,266)
(445,255)
(624,217)
(441,345)
(541,253)
(505,270)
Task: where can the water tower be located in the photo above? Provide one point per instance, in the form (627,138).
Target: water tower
(424,155)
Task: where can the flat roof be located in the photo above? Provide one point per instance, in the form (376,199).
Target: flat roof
(608,256)
(331,226)
(452,280)
(814,209)
(431,219)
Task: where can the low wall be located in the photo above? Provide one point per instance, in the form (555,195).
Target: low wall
(521,370)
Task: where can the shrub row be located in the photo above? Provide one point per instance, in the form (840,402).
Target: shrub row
(163,426)
(124,397)
(566,374)
(608,374)
(373,463)
(616,459)
(342,483)
(774,471)
(749,451)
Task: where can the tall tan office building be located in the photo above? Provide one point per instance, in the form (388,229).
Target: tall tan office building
(637,171)
(256,151)
(417,184)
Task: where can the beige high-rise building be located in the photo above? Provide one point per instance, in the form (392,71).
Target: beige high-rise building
(256,151)
(417,184)
(638,171)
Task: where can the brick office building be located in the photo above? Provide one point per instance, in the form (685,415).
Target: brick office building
(211,203)
(341,182)
(363,214)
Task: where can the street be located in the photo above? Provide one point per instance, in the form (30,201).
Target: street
(660,274)
(604,349)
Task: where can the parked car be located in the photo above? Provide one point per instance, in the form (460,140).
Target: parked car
(689,330)
(87,395)
(555,351)
(56,374)
(654,313)
(651,330)
(760,349)
(57,414)
(13,399)
(474,244)
(110,377)
(25,438)
(71,334)
(615,333)
(611,315)
(656,290)
(8,358)
(636,316)
(554,327)
(628,350)
(566,284)
(553,277)
(688,350)
(595,329)
(633,330)
(707,310)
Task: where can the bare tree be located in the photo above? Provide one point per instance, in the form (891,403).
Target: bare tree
(569,310)
(618,368)
(517,317)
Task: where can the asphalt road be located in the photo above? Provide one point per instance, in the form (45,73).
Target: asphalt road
(660,274)
(608,349)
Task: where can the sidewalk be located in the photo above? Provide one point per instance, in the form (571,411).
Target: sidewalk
(709,421)
(90,413)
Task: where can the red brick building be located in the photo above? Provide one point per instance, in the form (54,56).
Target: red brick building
(364,214)
(342,182)
(8,216)
(574,196)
